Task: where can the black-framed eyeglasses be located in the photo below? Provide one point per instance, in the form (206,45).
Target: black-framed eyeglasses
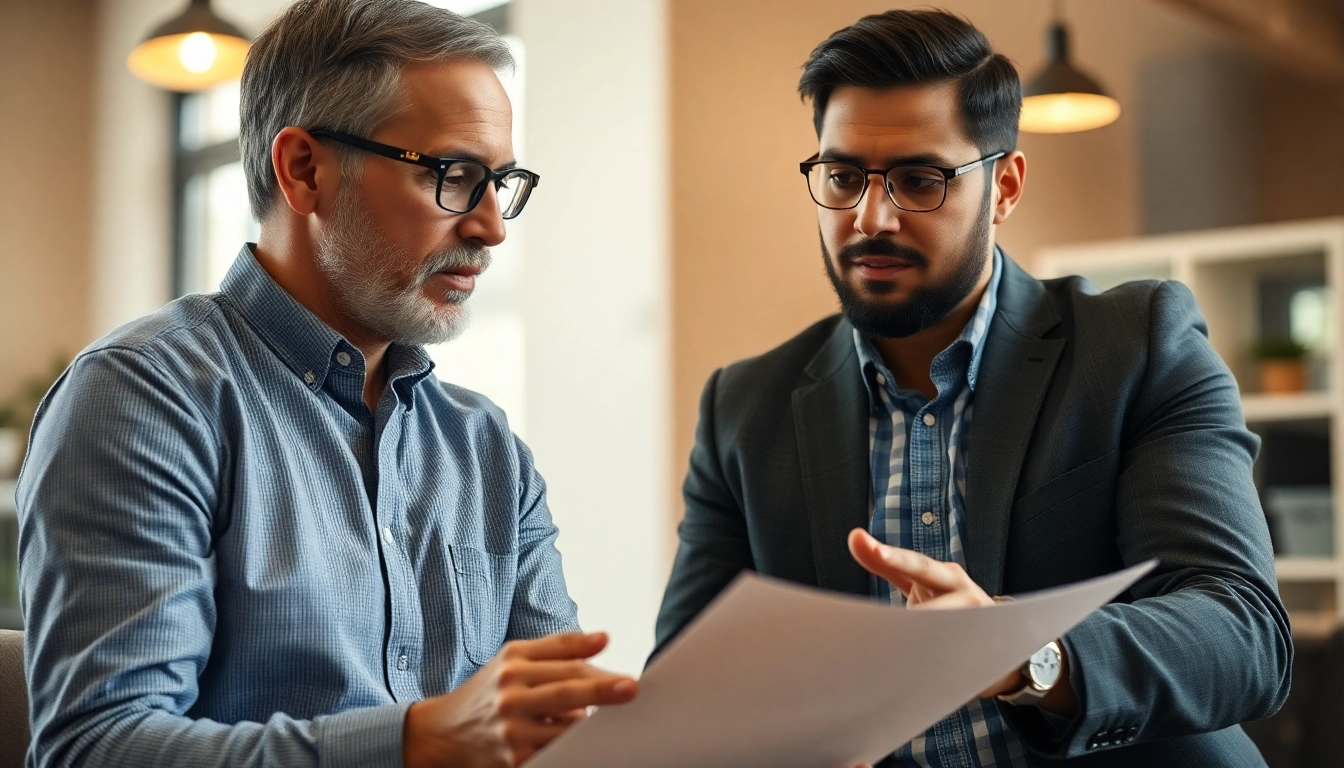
(916,188)
(462,182)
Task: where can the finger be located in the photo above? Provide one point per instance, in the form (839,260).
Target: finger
(556,698)
(565,645)
(920,569)
(527,672)
(566,718)
(961,599)
(525,737)
(530,733)
(868,552)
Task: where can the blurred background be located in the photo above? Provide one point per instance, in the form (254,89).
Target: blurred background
(673,235)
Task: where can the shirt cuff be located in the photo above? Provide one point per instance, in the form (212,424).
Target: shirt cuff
(363,738)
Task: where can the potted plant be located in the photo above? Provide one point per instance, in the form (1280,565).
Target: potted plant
(16,417)
(1283,366)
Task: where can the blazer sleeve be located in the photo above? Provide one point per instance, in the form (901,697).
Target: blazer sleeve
(713,545)
(1205,642)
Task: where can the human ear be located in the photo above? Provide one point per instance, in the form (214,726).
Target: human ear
(305,171)
(1010,174)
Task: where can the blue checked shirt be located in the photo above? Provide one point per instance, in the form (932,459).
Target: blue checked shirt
(919,484)
(226,559)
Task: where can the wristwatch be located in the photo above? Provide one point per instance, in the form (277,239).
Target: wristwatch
(1041,672)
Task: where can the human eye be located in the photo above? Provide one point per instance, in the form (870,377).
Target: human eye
(919,181)
(462,176)
(454,178)
(843,176)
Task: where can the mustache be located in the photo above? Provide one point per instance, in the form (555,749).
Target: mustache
(455,258)
(872,247)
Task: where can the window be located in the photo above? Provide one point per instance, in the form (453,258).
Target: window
(212,218)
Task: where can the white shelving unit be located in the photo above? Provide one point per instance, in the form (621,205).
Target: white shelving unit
(1223,269)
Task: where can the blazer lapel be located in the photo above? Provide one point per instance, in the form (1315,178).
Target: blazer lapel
(1014,375)
(831,415)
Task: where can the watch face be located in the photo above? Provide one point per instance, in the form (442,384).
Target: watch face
(1044,667)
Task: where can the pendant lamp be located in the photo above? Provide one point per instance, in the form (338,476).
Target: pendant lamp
(1062,99)
(193,51)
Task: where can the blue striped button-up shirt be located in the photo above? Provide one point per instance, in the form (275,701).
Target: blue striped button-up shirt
(918,470)
(226,559)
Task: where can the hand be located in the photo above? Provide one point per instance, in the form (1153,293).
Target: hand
(513,706)
(926,583)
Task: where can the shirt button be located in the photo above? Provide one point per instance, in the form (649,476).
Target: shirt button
(929,420)
(928,518)
(403,663)
(342,358)
(387,535)
(881,380)
(309,377)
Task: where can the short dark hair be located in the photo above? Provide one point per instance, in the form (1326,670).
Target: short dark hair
(918,48)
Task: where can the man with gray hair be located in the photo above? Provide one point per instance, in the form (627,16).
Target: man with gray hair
(255,529)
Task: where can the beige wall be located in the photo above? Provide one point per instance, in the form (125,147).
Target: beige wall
(746,269)
(1302,132)
(45,197)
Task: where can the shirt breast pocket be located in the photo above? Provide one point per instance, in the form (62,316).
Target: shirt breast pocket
(484,593)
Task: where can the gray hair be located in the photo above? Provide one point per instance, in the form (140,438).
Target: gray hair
(337,64)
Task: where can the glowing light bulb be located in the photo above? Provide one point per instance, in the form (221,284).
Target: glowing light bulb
(197,52)
(1067,112)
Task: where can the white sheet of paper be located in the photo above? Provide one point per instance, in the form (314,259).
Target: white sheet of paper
(777,674)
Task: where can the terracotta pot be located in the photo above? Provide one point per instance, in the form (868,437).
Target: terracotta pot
(1282,376)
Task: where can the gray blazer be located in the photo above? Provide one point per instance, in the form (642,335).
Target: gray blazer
(1107,432)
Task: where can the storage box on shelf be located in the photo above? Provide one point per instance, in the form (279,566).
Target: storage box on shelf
(1242,279)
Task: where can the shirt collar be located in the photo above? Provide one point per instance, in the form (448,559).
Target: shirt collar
(973,335)
(307,346)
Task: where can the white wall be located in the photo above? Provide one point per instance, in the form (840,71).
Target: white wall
(596,285)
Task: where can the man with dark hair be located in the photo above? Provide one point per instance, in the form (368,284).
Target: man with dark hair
(962,430)
(255,530)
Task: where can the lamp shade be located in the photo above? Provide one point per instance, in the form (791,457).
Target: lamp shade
(194,51)
(1062,99)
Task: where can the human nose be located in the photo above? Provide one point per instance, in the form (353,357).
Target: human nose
(877,214)
(485,222)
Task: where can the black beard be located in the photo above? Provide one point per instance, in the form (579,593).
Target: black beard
(928,305)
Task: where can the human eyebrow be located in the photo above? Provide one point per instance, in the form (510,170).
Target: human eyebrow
(836,156)
(461,154)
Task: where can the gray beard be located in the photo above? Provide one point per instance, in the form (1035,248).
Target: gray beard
(358,262)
